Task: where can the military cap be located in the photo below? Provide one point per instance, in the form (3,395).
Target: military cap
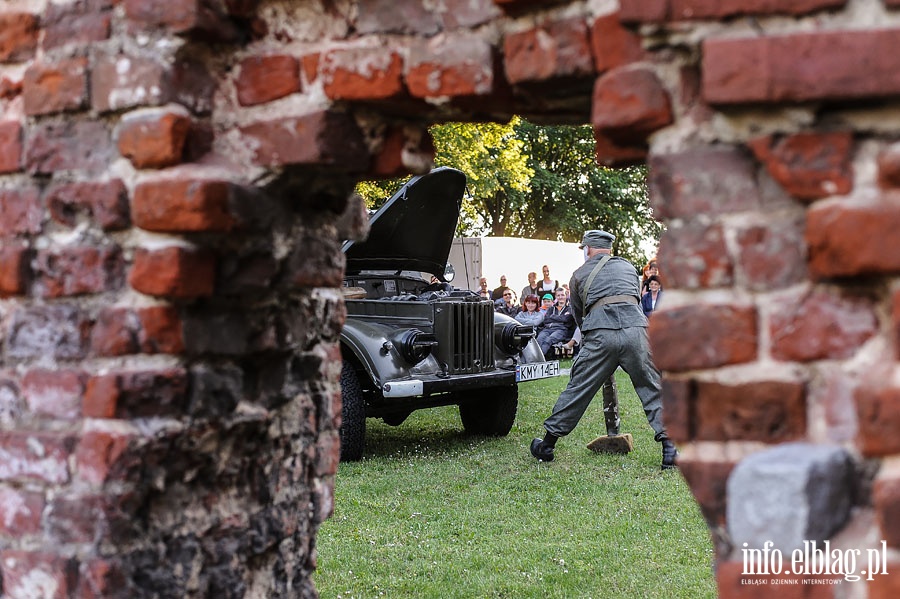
(597,239)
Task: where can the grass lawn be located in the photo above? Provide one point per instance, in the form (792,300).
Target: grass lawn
(432,512)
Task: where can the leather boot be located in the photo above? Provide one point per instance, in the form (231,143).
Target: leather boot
(669,454)
(541,450)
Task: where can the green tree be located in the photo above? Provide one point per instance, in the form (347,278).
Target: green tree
(542,182)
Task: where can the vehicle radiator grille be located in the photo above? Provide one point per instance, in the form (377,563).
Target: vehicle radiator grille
(465,332)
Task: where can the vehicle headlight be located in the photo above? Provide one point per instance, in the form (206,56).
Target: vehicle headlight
(414,345)
(513,337)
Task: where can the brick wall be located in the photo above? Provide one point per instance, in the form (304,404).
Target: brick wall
(175,180)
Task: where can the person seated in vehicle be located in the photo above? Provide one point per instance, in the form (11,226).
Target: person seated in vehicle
(558,325)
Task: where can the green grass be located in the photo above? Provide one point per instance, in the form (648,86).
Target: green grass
(432,512)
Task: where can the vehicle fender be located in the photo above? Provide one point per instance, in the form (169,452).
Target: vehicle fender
(366,342)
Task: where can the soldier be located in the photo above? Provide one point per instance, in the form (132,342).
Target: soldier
(605,296)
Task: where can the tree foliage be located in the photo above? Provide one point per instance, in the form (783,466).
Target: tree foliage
(539,182)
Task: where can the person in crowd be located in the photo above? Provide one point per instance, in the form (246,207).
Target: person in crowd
(654,293)
(558,325)
(484,292)
(605,297)
(507,304)
(650,270)
(531,288)
(547,285)
(546,302)
(498,292)
(530,313)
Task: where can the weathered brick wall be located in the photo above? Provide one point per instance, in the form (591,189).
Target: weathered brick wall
(175,180)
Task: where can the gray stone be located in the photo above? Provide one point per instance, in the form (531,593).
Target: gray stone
(789,494)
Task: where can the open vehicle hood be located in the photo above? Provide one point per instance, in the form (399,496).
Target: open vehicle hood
(414,229)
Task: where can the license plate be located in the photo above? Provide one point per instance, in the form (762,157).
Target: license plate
(537,370)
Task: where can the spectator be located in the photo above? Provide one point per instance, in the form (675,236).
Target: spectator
(498,292)
(650,270)
(484,291)
(530,314)
(649,299)
(546,302)
(547,284)
(558,325)
(531,288)
(507,304)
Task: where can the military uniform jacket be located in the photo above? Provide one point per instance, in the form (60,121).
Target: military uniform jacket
(618,277)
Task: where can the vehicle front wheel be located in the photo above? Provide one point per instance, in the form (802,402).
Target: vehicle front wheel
(353,415)
(490,412)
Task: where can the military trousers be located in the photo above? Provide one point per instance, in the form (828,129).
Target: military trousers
(602,351)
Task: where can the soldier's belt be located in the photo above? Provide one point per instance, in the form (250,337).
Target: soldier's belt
(612,299)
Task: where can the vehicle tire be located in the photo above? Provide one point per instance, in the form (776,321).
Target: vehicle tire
(490,412)
(353,415)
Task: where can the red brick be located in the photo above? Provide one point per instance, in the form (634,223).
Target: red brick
(708,481)
(115,332)
(888,167)
(20,211)
(79,270)
(310,65)
(54,392)
(69,145)
(105,203)
(120,82)
(122,331)
(100,456)
(643,11)
(18,36)
(328,453)
(656,11)
(765,411)
(895,320)
(886,586)
(821,326)
(35,456)
(707,180)
(801,67)
(610,153)
(10,89)
(808,166)
(612,44)
(831,393)
(878,413)
(28,574)
(772,256)
(362,74)
(629,105)
(558,49)
(55,87)
(101,579)
(262,79)
(849,238)
(720,335)
(154,138)
(458,65)
(208,20)
(398,146)
(10,146)
(161,330)
(314,264)
(886,500)
(321,139)
(176,272)
(678,396)
(136,394)
(696,256)
(78,23)
(14,270)
(182,205)
(20,511)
